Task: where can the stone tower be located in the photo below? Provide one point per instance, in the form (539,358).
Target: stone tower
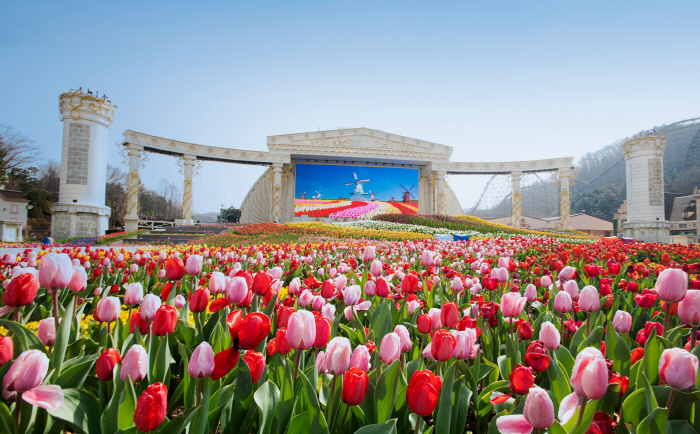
(80,210)
(644,159)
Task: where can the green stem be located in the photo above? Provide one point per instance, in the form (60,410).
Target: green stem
(329,404)
(18,411)
(669,403)
(693,337)
(667,315)
(588,324)
(581,410)
(418,421)
(342,421)
(55,309)
(199,391)
(296,368)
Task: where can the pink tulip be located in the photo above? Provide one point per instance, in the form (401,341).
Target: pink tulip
(590,374)
(55,271)
(689,308)
(237,290)
(571,287)
(370,288)
(539,408)
(318,303)
(217,283)
(338,354)
(47,331)
(404,336)
(428,352)
(412,306)
(301,330)
(201,363)
(135,364)
(567,273)
(568,407)
(194,265)
(513,424)
(351,295)
(161,273)
(512,304)
(306,298)
(563,303)
(376,268)
(530,292)
(502,275)
(622,322)
(294,286)
(26,375)
(390,349)
(589,300)
(503,262)
(341,282)
(329,312)
(550,335)
(678,368)
(546,281)
(276,273)
(435,316)
(426,258)
(133,269)
(672,285)
(360,358)
(149,306)
(79,279)
(107,309)
(457,285)
(465,341)
(179,301)
(133,294)
(369,253)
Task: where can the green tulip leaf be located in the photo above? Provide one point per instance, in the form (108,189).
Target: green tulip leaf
(655,423)
(78,410)
(267,397)
(385,392)
(388,427)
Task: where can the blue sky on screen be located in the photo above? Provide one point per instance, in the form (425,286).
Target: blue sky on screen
(330,180)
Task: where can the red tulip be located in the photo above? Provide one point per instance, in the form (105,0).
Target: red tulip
(328,289)
(355,382)
(6,349)
(423,392)
(271,347)
(323,332)
(281,344)
(637,355)
(536,356)
(136,322)
(521,380)
(151,407)
(199,300)
(21,290)
(106,363)
(233,320)
(443,345)
(283,314)
(165,321)
(256,364)
(254,329)
(262,283)
(219,304)
(174,269)
(424,323)
(409,283)
(646,299)
(449,315)
(224,361)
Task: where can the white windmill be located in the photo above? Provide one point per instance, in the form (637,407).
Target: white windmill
(359,193)
(318,195)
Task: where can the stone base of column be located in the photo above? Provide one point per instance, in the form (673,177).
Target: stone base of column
(184,222)
(657,231)
(70,220)
(131,222)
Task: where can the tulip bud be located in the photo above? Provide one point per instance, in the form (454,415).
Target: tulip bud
(539,408)
(201,363)
(390,348)
(355,382)
(672,285)
(47,331)
(678,368)
(151,407)
(135,364)
(622,322)
(550,335)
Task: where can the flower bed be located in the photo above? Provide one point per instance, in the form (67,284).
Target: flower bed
(332,333)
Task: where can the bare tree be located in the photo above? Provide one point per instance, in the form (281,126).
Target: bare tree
(49,180)
(115,195)
(16,150)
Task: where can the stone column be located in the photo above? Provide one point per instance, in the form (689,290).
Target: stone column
(516,200)
(565,198)
(188,162)
(276,202)
(80,210)
(644,165)
(133,183)
(441,194)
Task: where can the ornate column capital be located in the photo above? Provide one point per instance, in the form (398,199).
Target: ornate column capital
(654,144)
(75,105)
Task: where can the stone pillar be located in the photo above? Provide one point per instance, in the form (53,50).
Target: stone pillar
(80,210)
(133,183)
(441,194)
(276,202)
(644,165)
(188,162)
(565,198)
(516,200)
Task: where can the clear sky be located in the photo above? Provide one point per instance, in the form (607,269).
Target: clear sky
(330,180)
(497,80)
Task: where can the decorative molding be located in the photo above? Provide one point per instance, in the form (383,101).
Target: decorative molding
(565,208)
(548,165)
(516,208)
(75,103)
(656,142)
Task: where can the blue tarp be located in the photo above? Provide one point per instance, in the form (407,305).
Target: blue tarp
(461,237)
(443,237)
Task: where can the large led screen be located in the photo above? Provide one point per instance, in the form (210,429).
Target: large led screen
(362,192)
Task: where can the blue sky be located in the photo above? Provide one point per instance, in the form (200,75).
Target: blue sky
(499,80)
(330,180)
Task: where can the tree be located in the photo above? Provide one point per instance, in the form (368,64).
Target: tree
(115,196)
(17,152)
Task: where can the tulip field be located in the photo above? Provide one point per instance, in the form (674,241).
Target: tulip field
(510,333)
